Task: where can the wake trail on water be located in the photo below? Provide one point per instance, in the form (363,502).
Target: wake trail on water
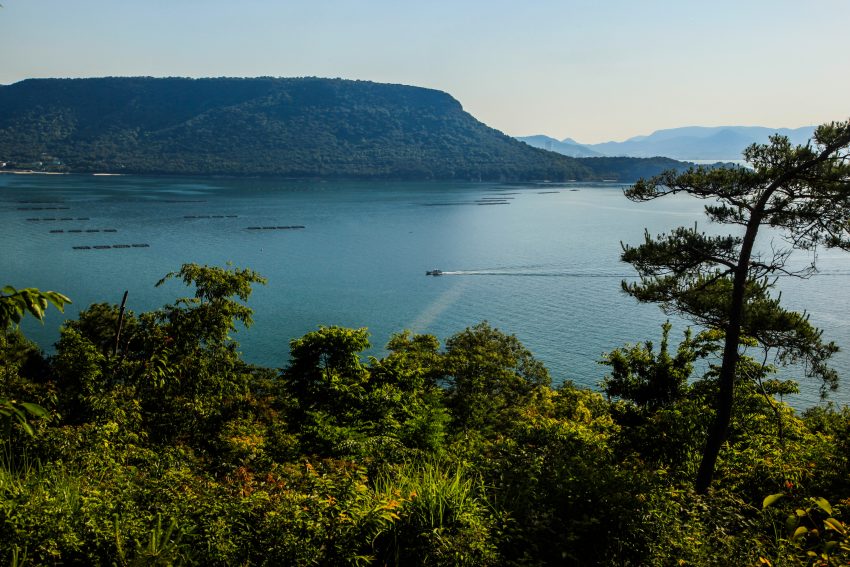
(530,271)
(533,274)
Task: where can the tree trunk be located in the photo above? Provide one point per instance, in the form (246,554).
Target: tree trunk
(726,380)
(120,324)
(725,395)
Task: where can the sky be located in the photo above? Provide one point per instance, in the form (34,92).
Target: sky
(592,70)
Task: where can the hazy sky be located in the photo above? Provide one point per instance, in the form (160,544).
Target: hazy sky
(594,70)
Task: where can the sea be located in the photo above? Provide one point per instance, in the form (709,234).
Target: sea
(537,260)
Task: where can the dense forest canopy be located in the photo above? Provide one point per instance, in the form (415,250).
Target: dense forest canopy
(295,127)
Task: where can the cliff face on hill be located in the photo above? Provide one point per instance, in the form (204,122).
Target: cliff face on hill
(266,126)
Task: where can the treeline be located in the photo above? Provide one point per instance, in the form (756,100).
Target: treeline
(305,127)
(153,442)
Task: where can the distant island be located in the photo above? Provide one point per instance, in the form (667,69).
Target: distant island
(292,127)
(721,143)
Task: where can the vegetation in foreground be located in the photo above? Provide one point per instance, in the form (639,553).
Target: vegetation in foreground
(152,442)
(146,439)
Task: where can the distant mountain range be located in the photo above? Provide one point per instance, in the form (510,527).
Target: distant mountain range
(687,143)
(567,146)
(300,127)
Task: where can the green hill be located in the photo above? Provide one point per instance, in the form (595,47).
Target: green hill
(302,127)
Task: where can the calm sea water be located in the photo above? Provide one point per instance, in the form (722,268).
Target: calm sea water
(537,260)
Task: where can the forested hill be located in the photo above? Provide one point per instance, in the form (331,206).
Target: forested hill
(265,126)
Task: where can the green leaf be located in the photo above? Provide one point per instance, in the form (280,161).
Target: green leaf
(770,499)
(34,409)
(799,532)
(834,524)
(57,299)
(823,504)
(791,524)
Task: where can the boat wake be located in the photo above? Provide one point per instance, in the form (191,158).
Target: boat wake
(525,272)
(534,274)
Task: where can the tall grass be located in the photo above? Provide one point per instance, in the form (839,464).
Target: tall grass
(36,504)
(444,518)
(18,471)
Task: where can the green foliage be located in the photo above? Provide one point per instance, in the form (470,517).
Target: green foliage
(648,380)
(684,528)
(812,533)
(19,412)
(443,517)
(344,407)
(555,478)
(489,376)
(328,381)
(99,324)
(191,366)
(405,385)
(15,303)
(786,336)
(14,350)
(22,369)
(211,315)
(326,370)
(164,546)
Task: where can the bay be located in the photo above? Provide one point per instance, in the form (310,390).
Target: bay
(536,260)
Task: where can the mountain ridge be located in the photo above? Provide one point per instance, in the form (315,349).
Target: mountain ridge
(293,127)
(686,142)
(567,146)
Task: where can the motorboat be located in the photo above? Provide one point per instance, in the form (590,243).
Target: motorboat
(434,273)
